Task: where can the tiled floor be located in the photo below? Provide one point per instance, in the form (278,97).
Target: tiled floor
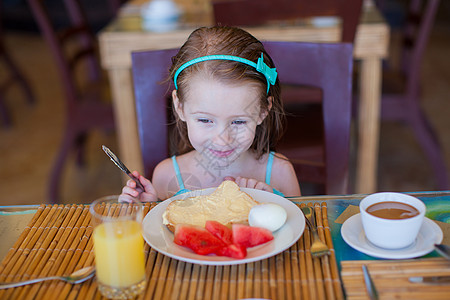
(28,147)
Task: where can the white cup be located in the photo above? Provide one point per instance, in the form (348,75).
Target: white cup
(160,15)
(391,233)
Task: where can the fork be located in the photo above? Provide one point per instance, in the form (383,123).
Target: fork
(318,248)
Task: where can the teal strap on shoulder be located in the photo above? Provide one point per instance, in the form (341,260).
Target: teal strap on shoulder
(269,173)
(260,66)
(178,173)
(269,167)
(277,192)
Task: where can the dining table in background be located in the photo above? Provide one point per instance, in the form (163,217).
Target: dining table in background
(125,35)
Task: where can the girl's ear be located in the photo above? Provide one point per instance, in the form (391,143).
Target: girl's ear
(178,106)
(264,112)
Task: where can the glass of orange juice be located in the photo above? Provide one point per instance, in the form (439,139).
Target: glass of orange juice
(118,247)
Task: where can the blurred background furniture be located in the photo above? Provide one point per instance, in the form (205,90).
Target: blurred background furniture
(153,105)
(401,96)
(263,12)
(14,75)
(328,66)
(75,47)
(125,35)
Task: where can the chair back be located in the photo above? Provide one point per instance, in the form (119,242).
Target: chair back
(259,12)
(327,66)
(419,22)
(71,45)
(150,70)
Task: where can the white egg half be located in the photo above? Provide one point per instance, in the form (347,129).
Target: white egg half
(267,215)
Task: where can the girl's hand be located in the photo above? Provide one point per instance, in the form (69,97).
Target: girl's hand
(251,183)
(131,191)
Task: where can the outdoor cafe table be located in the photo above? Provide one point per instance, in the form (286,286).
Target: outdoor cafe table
(125,35)
(292,274)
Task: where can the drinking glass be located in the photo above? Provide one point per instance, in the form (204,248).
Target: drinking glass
(118,247)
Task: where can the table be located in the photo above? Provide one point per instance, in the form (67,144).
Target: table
(124,35)
(14,219)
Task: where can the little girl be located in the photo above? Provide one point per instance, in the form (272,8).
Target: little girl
(229,117)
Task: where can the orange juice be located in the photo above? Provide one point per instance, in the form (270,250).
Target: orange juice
(119,253)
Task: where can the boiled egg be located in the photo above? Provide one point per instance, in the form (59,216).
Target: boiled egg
(267,215)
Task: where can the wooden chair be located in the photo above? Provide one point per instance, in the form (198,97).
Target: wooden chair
(75,50)
(401,87)
(260,12)
(14,75)
(328,66)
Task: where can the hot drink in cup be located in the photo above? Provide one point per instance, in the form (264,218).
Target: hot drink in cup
(391,220)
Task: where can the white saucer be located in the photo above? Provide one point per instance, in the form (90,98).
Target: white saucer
(353,234)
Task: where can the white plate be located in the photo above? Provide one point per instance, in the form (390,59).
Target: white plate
(429,234)
(160,238)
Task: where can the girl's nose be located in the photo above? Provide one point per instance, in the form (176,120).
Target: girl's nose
(225,136)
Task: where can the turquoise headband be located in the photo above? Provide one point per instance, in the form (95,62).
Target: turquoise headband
(260,66)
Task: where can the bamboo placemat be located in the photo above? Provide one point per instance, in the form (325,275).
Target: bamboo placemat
(391,278)
(57,242)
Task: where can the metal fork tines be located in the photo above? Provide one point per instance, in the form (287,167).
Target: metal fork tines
(318,248)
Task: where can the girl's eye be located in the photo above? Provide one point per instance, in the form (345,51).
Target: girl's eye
(205,121)
(239,122)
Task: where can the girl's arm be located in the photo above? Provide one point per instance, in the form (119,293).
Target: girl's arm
(131,191)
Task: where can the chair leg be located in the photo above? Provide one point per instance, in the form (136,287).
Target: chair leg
(58,167)
(427,138)
(4,115)
(18,76)
(26,89)
(80,147)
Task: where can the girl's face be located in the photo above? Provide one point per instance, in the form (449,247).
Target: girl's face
(221,119)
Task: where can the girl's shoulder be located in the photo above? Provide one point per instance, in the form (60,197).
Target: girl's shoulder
(280,160)
(162,175)
(166,170)
(283,175)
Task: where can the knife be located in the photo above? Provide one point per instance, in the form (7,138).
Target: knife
(443,250)
(370,286)
(122,166)
(430,279)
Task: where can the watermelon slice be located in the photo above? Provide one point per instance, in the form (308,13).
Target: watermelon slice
(198,239)
(220,231)
(249,236)
(234,251)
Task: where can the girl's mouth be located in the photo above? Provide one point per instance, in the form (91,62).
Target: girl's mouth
(222,154)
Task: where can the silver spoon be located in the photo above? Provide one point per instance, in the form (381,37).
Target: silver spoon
(78,276)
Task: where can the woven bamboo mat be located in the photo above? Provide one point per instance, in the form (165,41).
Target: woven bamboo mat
(57,242)
(391,278)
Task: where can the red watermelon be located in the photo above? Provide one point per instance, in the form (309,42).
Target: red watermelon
(249,236)
(220,231)
(198,239)
(234,251)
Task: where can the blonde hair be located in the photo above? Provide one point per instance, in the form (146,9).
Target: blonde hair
(237,42)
